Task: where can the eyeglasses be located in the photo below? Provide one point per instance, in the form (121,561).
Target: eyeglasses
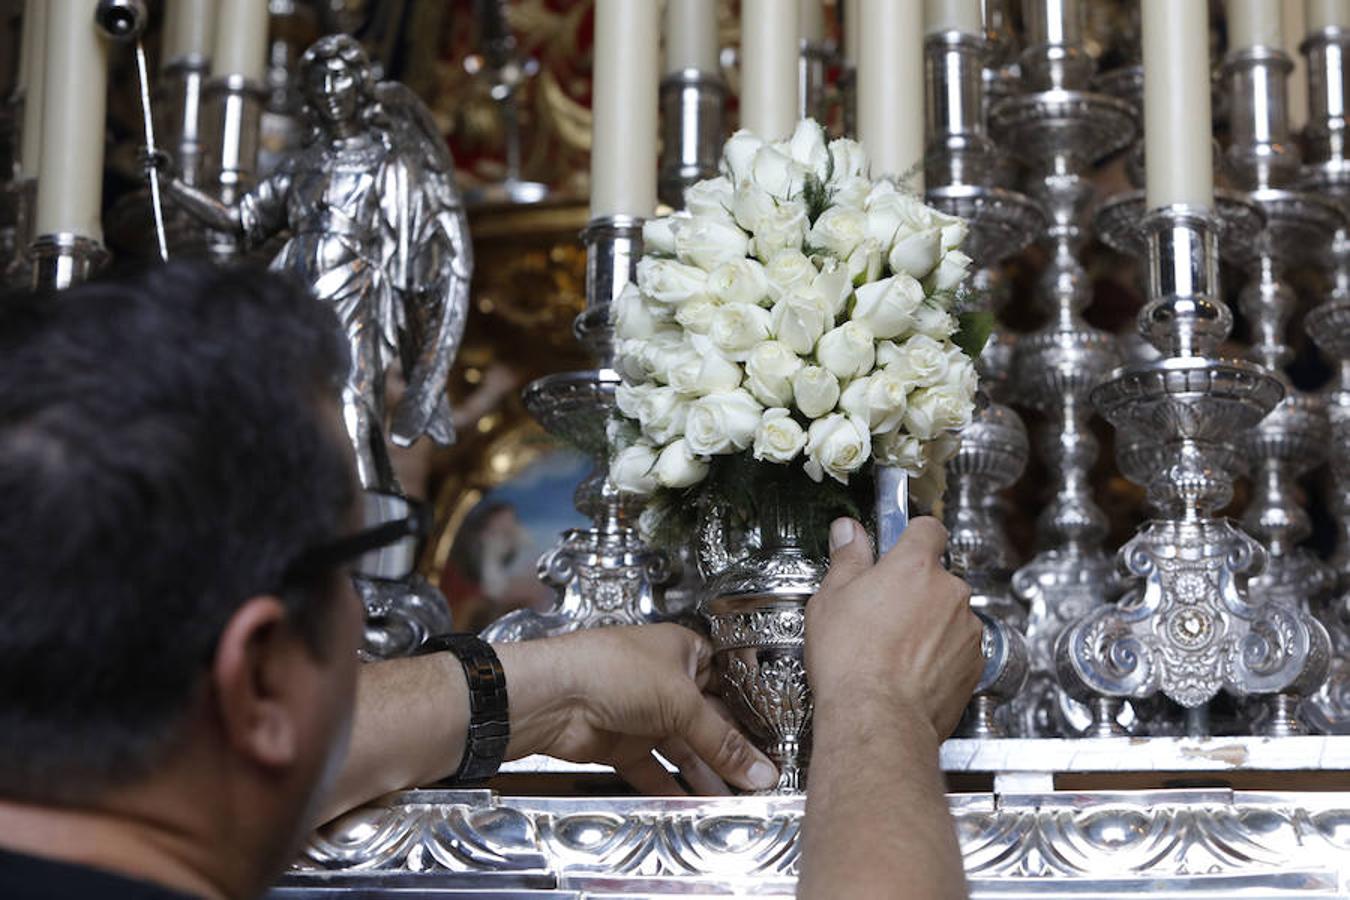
(386,548)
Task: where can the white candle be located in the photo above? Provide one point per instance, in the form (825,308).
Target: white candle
(187,30)
(1254,23)
(852,32)
(1177,139)
(769,83)
(1294,26)
(75,83)
(32,74)
(1324,14)
(623,105)
(811,23)
(891,88)
(691,36)
(964,16)
(241,40)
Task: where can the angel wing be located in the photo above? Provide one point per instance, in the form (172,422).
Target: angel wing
(434,232)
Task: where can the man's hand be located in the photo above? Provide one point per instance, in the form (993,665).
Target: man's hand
(614,695)
(899,633)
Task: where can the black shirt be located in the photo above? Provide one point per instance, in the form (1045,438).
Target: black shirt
(33,878)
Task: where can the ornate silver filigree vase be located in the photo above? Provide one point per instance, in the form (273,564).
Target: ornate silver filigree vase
(755,606)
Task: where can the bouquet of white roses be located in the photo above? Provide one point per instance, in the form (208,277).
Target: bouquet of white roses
(797,310)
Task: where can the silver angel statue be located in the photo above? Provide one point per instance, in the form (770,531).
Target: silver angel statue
(377,229)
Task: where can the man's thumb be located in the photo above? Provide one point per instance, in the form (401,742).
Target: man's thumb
(850,553)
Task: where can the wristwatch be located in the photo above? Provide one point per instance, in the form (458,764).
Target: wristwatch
(489,719)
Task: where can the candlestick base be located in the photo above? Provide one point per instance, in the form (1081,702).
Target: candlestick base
(63,260)
(693,122)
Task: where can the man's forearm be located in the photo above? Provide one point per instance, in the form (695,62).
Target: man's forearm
(877,820)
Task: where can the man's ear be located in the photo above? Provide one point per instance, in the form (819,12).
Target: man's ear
(256,659)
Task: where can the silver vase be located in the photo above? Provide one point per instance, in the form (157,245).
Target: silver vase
(755,607)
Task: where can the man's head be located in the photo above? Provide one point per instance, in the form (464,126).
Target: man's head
(169,445)
(337,80)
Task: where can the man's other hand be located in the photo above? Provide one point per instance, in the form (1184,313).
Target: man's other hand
(615,695)
(898,633)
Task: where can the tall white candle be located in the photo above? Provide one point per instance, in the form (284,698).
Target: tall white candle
(623,105)
(891,87)
(32,74)
(1254,23)
(691,36)
(75,82)
(188,26)
(1176,104)
(852,31)
(964,16)
(241,40)
(811,24)
(1324,14)
(769,83)
(1294,25)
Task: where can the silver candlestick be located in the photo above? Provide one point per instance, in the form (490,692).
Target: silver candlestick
(234,107)
(604,574)
(1326,171)
(993,451)
(1189,628)
(693,126)
(1059,131)
(1299,229)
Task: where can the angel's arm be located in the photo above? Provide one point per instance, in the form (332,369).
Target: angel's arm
(205,208)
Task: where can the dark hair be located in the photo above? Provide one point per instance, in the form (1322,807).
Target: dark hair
(163,457)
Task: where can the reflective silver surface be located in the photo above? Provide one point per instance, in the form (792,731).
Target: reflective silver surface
(693,126)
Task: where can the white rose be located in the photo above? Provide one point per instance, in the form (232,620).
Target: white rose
(707,243)
(667,281)
(888,306)
(864,263)
(940,450)
(662,413)
(851,192)
(936,409)
(961,372)
(641,359)
(631,470)
(850,161)
(677,467)
(934,321)
(954,232)
(628,397)
(696,374)
(738,155)
(782,229)
(799,319)
(949,274)
(837,445)
(779,438)
(833,284)
(891,214)
(750,204)
(916,253)
(815,390)
(737,328)
(788,270)
(878,399)
(919,362)
(807,147)
(741,281)
(724,422)
(696,316)
(658,236)
(710,199)
(769,371)
(839,230)
(778,173)
(634,317)
(901,450)
(848,351)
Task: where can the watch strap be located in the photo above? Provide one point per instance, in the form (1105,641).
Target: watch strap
(489,712)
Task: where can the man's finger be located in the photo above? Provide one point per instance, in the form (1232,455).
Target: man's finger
(697,774)
(850,554)
(726,750)
(924,538)
(646,775)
